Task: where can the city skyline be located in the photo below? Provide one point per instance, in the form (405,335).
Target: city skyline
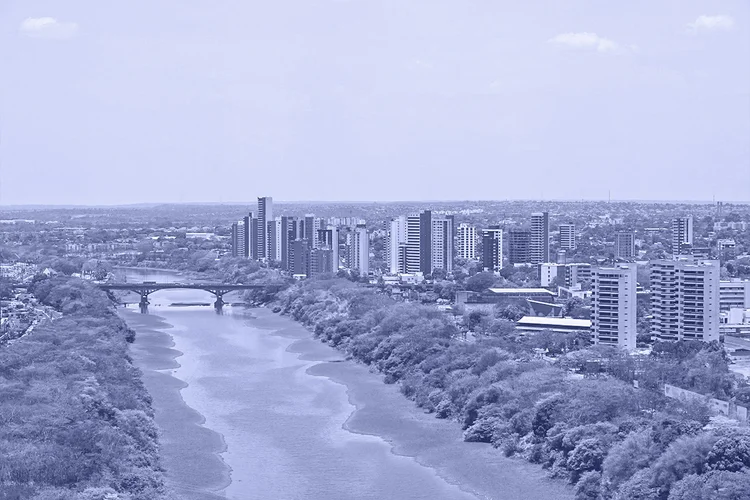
(173,103)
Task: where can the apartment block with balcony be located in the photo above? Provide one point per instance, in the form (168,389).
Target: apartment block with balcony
(613,313)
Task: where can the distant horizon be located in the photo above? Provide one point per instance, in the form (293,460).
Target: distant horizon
(366,202)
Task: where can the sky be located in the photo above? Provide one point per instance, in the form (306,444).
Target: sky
(138,101)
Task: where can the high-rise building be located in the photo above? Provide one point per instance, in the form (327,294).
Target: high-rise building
(252,237)
(685,299)
(519,245)
(359,250)
(397,240)
(274,239)
(539,244)
(625,245)
(613,305)
(492,248)
(682,235)
(329,239)
(441,245)
(567,236)
(265,215)
(289,234)
(566,274)
(242,237)
(467,241)
(734,294)
(299,257)
(311,226)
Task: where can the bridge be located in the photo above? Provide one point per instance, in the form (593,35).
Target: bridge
(218,289)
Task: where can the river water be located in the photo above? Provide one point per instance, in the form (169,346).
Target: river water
(250,406)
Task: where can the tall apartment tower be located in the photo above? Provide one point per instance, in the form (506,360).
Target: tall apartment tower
(625,245)
(519,246)
(397,245)
(359,258)
(441,245)
(265,215)
(289,234)
(492,248)
(252,236)
(467,241)
(567,236)
(613,301)
(539,244)
(328,239)
(685,299)
(274,239)
(682,235)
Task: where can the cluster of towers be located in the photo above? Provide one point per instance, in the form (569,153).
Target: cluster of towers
(306,245)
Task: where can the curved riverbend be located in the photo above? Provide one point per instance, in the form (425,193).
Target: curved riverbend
(252,407)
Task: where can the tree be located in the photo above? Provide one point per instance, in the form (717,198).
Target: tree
(480,281)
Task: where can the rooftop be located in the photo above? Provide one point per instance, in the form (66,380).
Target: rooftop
(545,321)
(501,291)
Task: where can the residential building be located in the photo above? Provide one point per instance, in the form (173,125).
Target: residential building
(265,215)
(289,234)
(539,243)
(492,248)
(685,299)
(467,241)
(567,236)
(519,243)
(725,244)
(682,235)
(274,239)
(734,294)
(625,245)
(613,301)
(329,239)
(359,253)
(567,275)
(310,229)
(440,246)
(397,245)
(299,257)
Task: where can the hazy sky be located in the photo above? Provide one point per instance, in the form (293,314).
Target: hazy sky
(224,100)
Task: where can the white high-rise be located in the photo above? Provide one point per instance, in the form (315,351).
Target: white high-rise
(539,242)
(685,299)
(682,235)
(360,250)
(265,215)
(613,301)
(467,241)
(567,236)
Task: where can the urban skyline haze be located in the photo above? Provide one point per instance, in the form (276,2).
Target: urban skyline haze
(169,101)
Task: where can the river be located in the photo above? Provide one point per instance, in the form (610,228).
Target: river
(250,406)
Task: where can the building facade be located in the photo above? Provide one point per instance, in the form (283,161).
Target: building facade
(265,215)
(519,245)
(567,236)
(492,248)
(539,243)
(625,245)
(685,299)
(467,241)
(613,301)
(682,235)
(359,250)
(734,294)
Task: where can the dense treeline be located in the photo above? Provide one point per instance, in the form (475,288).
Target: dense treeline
(75,419)
(615,442)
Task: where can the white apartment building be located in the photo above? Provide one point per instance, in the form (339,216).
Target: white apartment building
(682,234)
(467,241)
(685,299)
(360,250)
(613,300)
(567,236)
(734,294)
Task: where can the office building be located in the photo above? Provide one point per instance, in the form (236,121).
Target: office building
(539,244)
(625,245)
(682,235)
(265,215)
(685,299)
(492,248)
(613,305)
(567,236)
(359,250)
(467,241)
(519,245)
(734,294)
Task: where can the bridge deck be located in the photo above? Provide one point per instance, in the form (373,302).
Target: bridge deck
(194,286)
